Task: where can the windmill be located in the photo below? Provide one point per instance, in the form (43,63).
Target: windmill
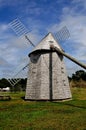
(47,78)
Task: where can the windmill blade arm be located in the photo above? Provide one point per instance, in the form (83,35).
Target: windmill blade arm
(29,40)
(68,56)
(21,70)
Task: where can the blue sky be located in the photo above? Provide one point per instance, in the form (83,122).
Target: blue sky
(41,16)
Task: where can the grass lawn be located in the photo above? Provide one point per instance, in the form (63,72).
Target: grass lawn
(18,114)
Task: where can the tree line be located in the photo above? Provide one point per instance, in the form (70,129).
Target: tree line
(80,74)
(78,79)
(21,85)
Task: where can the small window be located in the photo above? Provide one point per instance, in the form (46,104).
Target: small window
(51,41)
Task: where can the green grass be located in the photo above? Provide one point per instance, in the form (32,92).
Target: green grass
(18,114)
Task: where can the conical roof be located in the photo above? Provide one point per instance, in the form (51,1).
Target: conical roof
(45,43)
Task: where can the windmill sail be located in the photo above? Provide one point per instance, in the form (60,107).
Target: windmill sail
(62,34)
(19,28)
(18,76)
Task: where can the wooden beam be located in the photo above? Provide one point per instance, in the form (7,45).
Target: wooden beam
(68,56)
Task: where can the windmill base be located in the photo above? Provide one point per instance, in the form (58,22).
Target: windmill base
(53,100)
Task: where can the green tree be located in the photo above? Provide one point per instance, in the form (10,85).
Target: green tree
(81,74)
(4,83)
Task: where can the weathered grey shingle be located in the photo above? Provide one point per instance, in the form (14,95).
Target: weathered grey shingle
(47,78)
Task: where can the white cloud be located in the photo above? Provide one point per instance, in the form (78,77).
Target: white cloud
(9,3)
(14,50)
(76,24)
(3,62)
(79,3)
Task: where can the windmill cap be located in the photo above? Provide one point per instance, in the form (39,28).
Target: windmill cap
(45,44)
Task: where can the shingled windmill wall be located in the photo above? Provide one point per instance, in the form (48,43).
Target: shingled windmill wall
(47,78)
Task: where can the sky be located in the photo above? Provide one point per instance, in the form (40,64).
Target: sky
(41,17)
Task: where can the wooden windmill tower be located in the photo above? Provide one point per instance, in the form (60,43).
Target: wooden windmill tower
(47,74)
(47,78)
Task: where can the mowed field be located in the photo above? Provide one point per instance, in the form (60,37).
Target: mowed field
(18,114)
